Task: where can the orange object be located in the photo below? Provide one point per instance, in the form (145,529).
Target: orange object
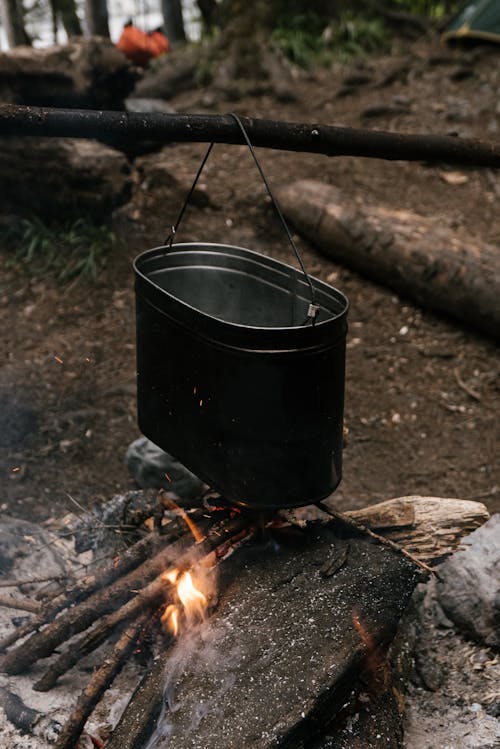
(141,46)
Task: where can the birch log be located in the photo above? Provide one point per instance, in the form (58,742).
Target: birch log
(443,270)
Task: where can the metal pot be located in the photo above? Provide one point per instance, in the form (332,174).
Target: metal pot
(230,382)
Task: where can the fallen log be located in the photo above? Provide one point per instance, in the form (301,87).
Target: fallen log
(56,177)
(445,271)
(300,630)
(86,72)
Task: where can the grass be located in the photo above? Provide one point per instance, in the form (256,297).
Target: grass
(307,40)
(69,251)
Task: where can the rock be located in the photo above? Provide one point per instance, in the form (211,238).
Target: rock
(151,467)
(469,587)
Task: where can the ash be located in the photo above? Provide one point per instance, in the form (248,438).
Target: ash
(28,551)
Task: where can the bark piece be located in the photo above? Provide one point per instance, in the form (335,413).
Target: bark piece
(446,271)
(51,178)
(89,73)
(428,527)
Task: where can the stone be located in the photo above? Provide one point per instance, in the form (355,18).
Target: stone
(151,467)
(469,587)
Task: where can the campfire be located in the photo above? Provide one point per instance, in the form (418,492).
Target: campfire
(194,591)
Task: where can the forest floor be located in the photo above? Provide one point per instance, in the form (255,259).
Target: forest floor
(67,387)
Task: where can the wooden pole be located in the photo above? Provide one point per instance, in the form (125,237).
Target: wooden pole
(126,128)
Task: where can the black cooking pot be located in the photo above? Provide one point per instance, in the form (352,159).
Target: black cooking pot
(248,399)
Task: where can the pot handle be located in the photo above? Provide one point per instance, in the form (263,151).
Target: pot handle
(313,306)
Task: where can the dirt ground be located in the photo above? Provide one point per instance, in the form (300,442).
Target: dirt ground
(67,390)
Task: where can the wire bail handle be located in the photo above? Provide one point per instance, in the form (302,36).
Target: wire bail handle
(313,306)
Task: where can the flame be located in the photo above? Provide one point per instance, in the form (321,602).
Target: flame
(192,599)
(169,502)
(170,619)
(194,602)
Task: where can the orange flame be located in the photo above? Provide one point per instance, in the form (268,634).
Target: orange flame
(170,619)
(192,599)
(194,602)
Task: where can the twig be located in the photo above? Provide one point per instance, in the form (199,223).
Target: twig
(472,393)
(99,683)
(31,581)
(356,525)
(23,605)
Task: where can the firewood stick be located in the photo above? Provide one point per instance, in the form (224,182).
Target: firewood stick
(99,683)
(80,617)
(152,593)
(101,578)
(142,712)
(24,604)
(112,569)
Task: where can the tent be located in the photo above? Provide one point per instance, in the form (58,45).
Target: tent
(477,20)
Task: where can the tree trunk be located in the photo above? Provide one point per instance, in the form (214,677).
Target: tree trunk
(173,21)
(443,270)
(208,10)
(96,15)
(67,13)
(12,20)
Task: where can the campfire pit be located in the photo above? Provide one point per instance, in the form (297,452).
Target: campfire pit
(304,616)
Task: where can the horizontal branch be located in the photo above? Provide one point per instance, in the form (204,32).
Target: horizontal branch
(126,128)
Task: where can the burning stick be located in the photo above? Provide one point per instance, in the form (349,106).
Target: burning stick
(99,683)
(103,576)
(80,617)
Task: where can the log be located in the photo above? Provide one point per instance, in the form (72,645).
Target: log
(449,272)
(283,646)
(86,72)
(51,178)
(281,656)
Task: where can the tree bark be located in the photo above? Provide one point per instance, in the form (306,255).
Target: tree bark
(12,20)
(208,10)
(67,12)
(173,21)
(96,15)
(446,271)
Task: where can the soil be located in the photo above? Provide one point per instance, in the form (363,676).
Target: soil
(67,389)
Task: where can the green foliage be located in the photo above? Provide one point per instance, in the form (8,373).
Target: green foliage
(76,249)
(308,39)
(436,9)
